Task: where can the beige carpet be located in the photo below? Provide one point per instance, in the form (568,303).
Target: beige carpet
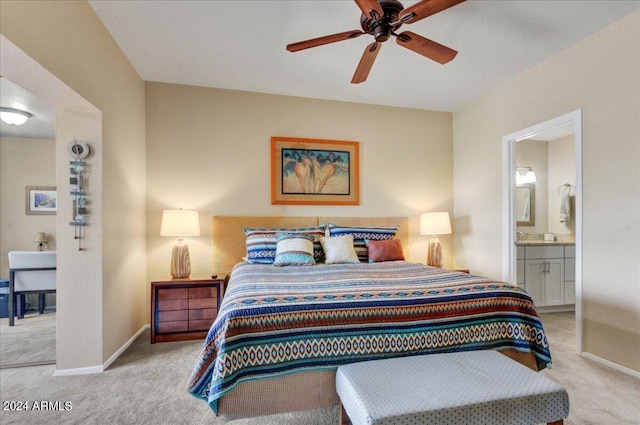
(147,385)
(31,340)
(597,394)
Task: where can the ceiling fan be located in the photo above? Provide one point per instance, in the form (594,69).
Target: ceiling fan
(382,18)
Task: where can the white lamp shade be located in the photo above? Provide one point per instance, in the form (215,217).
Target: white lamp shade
(180,223)
(435,223)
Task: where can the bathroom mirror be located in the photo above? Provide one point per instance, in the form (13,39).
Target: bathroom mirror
(525,204)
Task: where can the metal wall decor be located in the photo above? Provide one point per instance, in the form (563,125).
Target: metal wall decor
(77,185)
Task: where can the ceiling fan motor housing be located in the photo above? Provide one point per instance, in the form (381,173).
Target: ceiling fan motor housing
(380,27)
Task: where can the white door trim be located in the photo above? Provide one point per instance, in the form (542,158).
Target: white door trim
(509,209)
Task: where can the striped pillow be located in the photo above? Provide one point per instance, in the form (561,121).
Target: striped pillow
(261,242)
(294,250)
(360,233)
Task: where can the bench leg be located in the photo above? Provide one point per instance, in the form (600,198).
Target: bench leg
(560,422)
(344,418)
(41,303)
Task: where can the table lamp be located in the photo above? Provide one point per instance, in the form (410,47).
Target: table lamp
(41,239)
(180,223)
(436,223)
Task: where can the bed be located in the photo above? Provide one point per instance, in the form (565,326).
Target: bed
(281,332)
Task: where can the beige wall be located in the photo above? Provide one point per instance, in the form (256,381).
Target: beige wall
(24,162)
(554,163)
(209,150)
(68,39)
(601,75)
(562,170)
(535,154)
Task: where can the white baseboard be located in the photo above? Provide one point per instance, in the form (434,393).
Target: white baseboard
(79,371)
(612,365)
(99,369)
(556,308)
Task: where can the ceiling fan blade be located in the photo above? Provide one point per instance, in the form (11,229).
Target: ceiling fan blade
(425,47)
(366,62)
(369,8)
(425,8)
(315,42)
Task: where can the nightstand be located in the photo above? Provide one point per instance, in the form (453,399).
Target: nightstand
(184,309)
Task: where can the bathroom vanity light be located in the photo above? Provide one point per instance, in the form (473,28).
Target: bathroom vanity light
(525,175)
(14,116)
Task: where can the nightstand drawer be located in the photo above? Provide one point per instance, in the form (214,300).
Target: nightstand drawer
(200,325)
(173,294)
(210,292)
(173,305)
(177,326)
(204,313)
(198,303)
(172,316)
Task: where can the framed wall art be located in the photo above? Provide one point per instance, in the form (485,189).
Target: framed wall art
(40,200)
(314,172)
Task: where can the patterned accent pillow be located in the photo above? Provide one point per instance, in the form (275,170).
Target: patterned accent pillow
(261,242)
(294,250)
(390,250)
(339,250)
(360,233)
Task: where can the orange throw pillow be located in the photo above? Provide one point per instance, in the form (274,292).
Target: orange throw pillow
(389,250)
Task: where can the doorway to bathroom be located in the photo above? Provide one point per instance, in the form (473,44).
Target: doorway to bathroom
(542,213)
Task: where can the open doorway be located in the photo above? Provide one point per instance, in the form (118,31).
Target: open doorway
(75,118)
(27,159)
(513,225)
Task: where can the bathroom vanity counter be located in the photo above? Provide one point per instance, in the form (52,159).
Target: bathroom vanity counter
(544,243)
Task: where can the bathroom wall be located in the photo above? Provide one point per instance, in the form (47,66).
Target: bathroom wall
(554,165)
(535,154)
(562,170)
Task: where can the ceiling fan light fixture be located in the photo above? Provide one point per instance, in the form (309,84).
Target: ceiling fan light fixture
(381,19)
(14,116)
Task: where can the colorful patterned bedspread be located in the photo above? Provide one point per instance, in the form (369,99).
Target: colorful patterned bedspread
(279,320)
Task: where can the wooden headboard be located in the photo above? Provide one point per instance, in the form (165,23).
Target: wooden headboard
(228,240)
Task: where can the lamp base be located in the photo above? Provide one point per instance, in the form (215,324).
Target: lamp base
(434,256)
(180,261)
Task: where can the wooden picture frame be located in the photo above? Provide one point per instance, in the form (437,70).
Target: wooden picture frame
(41,200)
(314,172)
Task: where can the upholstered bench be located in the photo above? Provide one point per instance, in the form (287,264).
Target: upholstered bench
(466,388)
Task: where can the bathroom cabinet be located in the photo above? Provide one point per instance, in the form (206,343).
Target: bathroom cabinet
(547,273)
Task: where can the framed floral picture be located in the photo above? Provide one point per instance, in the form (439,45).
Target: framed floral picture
(314,172)
(40,200)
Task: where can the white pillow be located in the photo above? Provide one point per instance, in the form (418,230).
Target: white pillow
(339,250)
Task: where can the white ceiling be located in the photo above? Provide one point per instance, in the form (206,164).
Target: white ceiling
(241,44)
